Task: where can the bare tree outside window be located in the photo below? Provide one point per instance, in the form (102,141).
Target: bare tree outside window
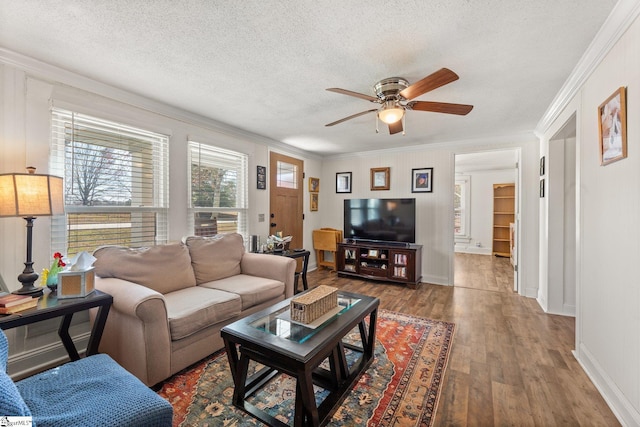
(99,176)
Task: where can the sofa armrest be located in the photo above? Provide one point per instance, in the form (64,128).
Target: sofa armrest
(274,267)
(137,332)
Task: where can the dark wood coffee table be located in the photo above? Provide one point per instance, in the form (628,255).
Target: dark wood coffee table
(282,346)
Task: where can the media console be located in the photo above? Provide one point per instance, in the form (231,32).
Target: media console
(396,262)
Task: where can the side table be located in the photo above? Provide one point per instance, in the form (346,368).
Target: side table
(305,264)
(49,307)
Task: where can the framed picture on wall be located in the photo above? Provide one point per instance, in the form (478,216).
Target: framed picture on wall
(612,125)
(262,177)
(343,182)
(422,180)
(380,179)
(314,185)
(314,202)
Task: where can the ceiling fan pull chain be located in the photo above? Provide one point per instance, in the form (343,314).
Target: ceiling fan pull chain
(404,124)
(377,130)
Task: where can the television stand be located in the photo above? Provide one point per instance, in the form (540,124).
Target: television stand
(396,262)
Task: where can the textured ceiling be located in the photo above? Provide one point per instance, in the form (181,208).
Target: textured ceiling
(263,66)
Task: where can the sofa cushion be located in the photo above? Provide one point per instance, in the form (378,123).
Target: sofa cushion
(193,309)
(163,268)
(252,290)
(215,257)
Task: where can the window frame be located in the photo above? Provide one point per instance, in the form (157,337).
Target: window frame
(214,156)
(152,196)
(465,211)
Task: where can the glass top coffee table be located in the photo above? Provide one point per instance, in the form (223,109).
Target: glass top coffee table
(281,345)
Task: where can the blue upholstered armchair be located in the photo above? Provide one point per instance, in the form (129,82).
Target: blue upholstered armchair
(94,391)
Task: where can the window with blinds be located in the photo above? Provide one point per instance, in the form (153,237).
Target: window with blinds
(218,188)
(116,183)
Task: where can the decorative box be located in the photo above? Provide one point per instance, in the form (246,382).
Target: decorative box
(76,284)
(308,307)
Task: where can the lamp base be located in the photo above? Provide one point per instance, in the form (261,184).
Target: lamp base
(30,290)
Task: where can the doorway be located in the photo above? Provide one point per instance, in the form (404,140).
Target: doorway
(558,285)
(285,197)
(476,173)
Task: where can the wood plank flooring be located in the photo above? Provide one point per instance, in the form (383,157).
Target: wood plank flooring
(511,364)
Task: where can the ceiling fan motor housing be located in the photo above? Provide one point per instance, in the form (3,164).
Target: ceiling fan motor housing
(390,88)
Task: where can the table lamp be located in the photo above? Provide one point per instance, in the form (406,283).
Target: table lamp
(30,195)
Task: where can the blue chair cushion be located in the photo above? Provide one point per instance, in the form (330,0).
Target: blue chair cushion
(11,403)
(94,391)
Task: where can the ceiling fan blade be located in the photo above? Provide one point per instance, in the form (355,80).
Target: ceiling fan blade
(353,116)
(433,81)
(440,107)
(395,127)
(356,94)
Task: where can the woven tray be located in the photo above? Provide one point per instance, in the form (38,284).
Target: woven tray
(313,304)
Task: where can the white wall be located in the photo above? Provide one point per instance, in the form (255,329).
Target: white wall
(608,231)
(481,209)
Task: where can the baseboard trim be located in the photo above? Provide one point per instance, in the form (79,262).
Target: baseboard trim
(621,407)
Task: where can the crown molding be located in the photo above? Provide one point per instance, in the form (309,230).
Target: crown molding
(622,16)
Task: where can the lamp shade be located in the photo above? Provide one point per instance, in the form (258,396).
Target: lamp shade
(30,195)
(391,112)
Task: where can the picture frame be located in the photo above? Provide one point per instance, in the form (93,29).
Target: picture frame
(373,253)
(380,179)
(542,188)
(313,204)
(422,180)
(542,166)
(343,182)
(612,127)
(261,177)
(314,185)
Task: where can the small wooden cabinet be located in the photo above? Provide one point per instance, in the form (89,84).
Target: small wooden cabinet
(391,262)
(504,207)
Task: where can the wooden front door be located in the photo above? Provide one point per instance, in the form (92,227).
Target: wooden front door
(286,192)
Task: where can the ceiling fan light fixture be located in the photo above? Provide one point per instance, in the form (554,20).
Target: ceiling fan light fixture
(391,112)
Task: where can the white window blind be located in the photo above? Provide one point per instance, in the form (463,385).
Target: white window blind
(116,183)
(218,189)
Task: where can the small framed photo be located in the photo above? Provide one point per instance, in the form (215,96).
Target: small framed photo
(314,185)
(373,253)
(542,166)
(542,188)
(314,202)
(343,182)
(612,124)
(422,180)
(380,179)
(262,177)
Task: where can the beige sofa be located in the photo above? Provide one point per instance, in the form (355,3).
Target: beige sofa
(170,301)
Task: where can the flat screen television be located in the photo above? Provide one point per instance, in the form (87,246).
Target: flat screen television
(390,220)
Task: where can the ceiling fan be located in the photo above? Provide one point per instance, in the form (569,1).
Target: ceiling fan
(395,95)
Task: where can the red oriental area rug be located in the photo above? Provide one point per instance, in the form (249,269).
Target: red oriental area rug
(400,388)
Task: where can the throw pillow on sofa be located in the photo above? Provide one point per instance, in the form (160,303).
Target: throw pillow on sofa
(163,268)
(217,257)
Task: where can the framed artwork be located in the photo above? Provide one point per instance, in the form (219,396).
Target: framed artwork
(542,188)
(343,182)
(314,185)
(262,177)
(373,253)
(422,180)
(380,179)
(542,166)
(612,125)
(314,202)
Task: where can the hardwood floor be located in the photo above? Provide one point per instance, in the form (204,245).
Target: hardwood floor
(511,364)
